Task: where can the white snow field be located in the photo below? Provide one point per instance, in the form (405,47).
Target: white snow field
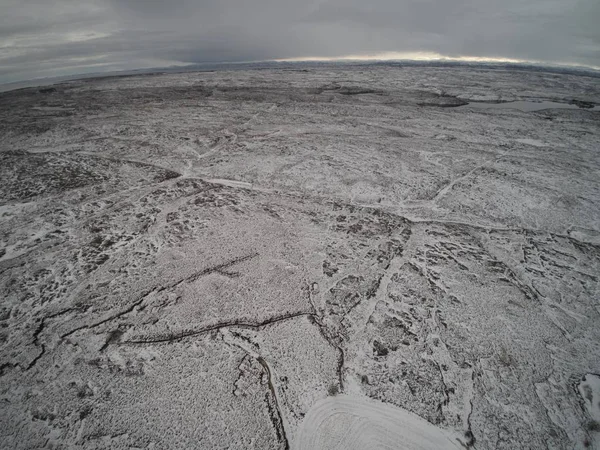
(301,257)
(348,423)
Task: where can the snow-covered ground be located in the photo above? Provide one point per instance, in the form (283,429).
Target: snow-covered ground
(354,423)
(333,257)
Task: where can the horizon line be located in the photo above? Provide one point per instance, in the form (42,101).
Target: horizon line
(421,57)
(431,57)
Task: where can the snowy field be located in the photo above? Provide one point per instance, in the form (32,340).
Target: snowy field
(323,258)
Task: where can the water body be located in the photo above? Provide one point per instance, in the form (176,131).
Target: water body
(526,106)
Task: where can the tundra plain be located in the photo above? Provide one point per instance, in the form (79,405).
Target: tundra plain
(278,258)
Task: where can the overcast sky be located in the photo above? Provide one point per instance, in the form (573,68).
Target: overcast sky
(57,37)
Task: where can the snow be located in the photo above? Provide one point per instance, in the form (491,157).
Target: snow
(589,388)
(351,423)
(534,142)
(229,259)
(526,106)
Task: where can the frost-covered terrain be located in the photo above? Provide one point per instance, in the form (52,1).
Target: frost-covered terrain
(334,257)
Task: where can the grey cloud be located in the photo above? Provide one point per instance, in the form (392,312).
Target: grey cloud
(42,37)
(27,16)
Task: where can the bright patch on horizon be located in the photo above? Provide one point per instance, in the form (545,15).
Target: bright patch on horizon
(415,56)
(424,56)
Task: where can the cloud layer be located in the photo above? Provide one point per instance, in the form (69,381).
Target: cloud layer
(57,37)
